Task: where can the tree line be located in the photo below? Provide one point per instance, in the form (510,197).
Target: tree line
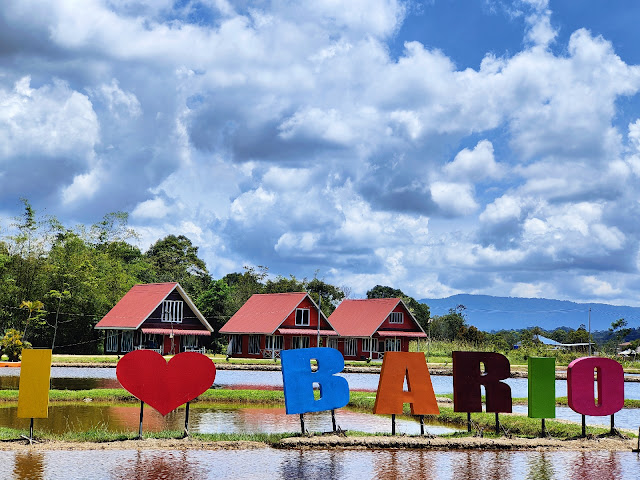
(57,282)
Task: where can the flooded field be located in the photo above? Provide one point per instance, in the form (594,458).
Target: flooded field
(210,419)
(343,464)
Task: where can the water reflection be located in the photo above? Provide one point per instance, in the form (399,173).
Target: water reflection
(540,468)
(596,465)
(29,466)
(207,419)
(325,465)
(149,465)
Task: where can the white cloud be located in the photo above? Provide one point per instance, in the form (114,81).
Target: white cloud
(474,165)
(454,198)
(154,208)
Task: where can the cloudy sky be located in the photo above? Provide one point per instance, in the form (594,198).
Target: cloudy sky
(439,146)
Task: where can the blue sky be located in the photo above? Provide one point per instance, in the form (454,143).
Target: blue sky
(440,147)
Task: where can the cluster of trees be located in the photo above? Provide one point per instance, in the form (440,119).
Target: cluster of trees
(56,282)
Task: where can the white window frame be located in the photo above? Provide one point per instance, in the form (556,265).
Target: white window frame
(254,344)
(332,342)
(303,321)
(126,344)
(112,341)
(190,341)
(274,342)
(366,345)
(393,345)
(300,342)
(236,344)
(396,317)
(350,347)
(172,311)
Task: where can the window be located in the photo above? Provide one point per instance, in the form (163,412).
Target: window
(393,344)
(369,345)
(112,341)
(235,344)
(302,317)
(172,311)
(127,341)
(351,347)
(190,341)
(299,342)
(254,344)
(396,317)
(332,342)
(273,342)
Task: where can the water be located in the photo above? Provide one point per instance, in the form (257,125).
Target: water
(209,419)
(267,463)
(79,378)
(628,418)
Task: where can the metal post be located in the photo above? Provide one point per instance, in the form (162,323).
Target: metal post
(544,429)
(469,422)
(333,419)
(584,426)
(613,424)
(31,431)
(421,424)
(319,315)
(497,424)
(141,415)
(589,331)
(186,421)
(302,423)
(393,424)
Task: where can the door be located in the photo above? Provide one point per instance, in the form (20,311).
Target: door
(168,349)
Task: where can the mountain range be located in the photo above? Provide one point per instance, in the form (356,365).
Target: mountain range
(511,313)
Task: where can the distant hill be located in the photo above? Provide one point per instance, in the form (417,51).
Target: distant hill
(497,313)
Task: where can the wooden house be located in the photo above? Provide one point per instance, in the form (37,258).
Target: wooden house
(155,316)
(368,328)
(269,323)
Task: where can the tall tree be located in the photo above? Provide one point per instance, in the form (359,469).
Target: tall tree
(175,259)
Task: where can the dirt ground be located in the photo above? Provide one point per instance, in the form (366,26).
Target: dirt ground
(340,442)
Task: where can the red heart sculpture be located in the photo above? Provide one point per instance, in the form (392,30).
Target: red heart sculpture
(165,385)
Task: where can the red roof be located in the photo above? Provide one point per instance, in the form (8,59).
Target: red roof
(140,302)
(264,313)
(362,318)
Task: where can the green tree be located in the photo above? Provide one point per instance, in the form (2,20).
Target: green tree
(215,304)
(32,306)
(450,326)
(618,331)
(12,344)
(175,259)
(243,285)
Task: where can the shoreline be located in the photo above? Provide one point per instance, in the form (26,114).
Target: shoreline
(373,369)
(332,442)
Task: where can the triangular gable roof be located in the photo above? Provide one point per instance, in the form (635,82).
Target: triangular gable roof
(362,318)
(265,312)
(140,302)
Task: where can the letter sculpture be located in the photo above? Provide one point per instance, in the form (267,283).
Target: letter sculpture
(467,379)
(610,378)
(298,380)
(391,396)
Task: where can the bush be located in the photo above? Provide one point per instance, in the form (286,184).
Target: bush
(11,344)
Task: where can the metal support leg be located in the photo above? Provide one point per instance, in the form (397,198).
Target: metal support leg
(469,422)
(544,429)
(186,421)
(333,419)
(584,426)
(302,423)
(497,424)
(421,424)
(141,416)
(393,424)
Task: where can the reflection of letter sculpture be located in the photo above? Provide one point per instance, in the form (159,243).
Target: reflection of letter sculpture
(467,379)
(298,380)
(33,395)
(165,386)
(391,397)
(542,387)
(610,378)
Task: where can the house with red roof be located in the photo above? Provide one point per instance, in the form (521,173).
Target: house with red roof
(155,316)
(271,322)
(368,328)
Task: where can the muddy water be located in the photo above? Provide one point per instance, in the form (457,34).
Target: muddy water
(325,465)
(208,419)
